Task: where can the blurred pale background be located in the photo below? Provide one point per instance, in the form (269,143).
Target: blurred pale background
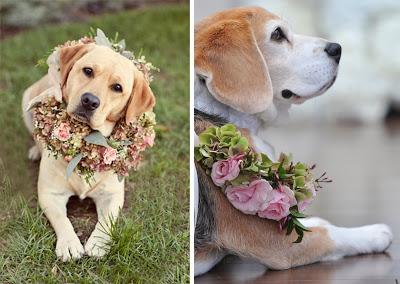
(347,131)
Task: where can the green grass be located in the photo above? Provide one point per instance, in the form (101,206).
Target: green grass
(150,242)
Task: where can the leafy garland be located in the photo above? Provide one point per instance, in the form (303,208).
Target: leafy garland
(85,150)
(253,183)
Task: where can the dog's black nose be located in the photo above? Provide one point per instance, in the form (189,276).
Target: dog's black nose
(90,101)
(334,50)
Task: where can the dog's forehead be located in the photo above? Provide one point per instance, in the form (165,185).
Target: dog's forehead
(258,17)
(106,57)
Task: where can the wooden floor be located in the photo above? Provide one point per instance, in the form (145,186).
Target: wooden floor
(365,165)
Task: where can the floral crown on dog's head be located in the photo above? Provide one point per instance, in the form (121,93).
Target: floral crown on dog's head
(87,151)
(253,183)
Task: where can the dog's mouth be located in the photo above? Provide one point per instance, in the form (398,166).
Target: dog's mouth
(295,98)
(81,117)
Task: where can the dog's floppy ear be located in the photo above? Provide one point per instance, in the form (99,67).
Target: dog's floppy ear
(68,56)
(142,98)
(228,57)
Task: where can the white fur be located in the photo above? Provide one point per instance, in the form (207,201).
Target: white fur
(205,265)
(353,241)
(359,240)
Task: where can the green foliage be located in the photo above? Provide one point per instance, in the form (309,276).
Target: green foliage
(151,239)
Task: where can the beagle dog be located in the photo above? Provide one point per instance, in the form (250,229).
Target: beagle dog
(99,87)
(249,68)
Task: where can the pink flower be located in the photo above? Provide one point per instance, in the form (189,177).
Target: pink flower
(303,204)
(249,198)
(226,169)
(109,155)
(279,202)
(68,158)
(149,140)
(62,132)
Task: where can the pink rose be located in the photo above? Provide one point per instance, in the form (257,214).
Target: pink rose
(68,158)
(62,132)
(226,169)
(149,140)
(249,198)
(279,202)
(109,155)
(302,205)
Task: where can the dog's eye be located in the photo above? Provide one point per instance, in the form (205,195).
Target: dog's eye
(88,71)
(277,34)
(117,88)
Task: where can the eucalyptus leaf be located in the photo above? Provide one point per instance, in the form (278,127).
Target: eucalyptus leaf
(96,138)
(73,164)
(127,54)
(122,44)
(101,38)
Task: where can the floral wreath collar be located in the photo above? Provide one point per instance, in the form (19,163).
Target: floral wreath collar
(88,151)
(253,183)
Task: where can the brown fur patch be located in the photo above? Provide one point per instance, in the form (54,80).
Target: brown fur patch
(142,98)
(261,239)
(68,56)
(227,52)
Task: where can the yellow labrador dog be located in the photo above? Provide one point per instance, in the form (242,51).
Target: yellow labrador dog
(250,67)
(100,87)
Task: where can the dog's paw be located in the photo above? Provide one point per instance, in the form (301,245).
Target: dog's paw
(380,236)
(69,248)
(96,247)
(34,153)
(361,240)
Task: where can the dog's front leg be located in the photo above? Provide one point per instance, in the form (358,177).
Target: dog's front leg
(260,239)
(109,199)
(54,203)
(53,194)
(353,241)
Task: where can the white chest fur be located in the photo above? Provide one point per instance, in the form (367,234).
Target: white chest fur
(53,174)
